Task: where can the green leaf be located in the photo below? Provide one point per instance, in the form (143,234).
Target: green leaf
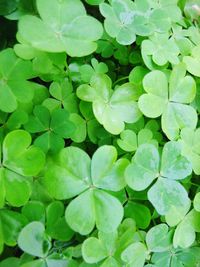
(184,235)
(93,250)
(144,167)
(128,141)
(111,108)
(190,147)
(19,156)
(167,194)
(158,238)
(39,121)
(11,261)
(70,31)
(139,212)
(80,213)
(11,223)
(168,102)
(119,21)
(17,188)
(70,175)
(135,254)
(162,49)
(155,84)
(90,207)
(108,217)
(106,172)
(32,240)
(60,123)
(34,211)
(57,228)
(176,117)
(173,164)
(79,134)
(193,61)
(196,202)
(14,87)
(6,7)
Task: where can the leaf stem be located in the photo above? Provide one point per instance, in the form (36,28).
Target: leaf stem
(197,185)
(120,79)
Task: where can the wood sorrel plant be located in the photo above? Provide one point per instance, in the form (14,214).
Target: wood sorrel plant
(99,133)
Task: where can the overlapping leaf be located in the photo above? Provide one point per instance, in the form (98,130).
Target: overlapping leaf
(170,101)
(20,162)
(63,27)
(76,174)
(166,194)
(111,108)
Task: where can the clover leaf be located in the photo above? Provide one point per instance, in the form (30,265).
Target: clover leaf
(159,238)
(138,212)
(7,7)
(184,235)
(54,126)
(62,27)
(129,141)
(56,226)
(33,240)
(11,223)
(171,101)
(135,254)
(14,87)
(176,257)
(20,162)
(63,91)
(112,108)
(107,247)
(193,61)
(166,194)
(161,48)
(94,249)
(119,20)
(190,147)
(125,19)
(76,174)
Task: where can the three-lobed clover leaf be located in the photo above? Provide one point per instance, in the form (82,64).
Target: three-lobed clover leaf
(54,127)
(75,174)
(20,162)
(112,108)
(161,49)
(125,19)
(14,87)
(118,22)
(34,241)
(63,92)
(167,195)
(176,257)
(170,101)
(107,247)
(97,249)
(62,27)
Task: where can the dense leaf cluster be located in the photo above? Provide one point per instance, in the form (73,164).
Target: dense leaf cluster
(99,133)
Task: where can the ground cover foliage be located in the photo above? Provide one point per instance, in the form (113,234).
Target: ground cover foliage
(99,133)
